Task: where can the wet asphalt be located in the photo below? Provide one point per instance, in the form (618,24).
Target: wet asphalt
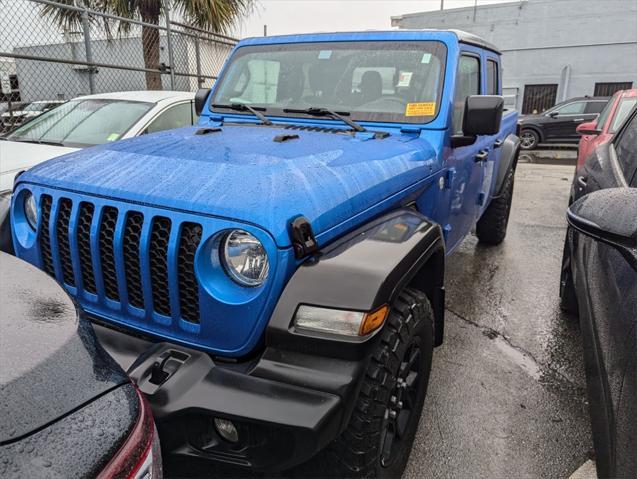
(507,393)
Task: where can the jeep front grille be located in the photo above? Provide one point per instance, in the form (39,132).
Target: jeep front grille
(122,255)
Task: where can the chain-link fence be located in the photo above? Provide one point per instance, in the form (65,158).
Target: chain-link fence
(52,52)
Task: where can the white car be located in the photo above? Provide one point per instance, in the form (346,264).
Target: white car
(86,121)
(24,114)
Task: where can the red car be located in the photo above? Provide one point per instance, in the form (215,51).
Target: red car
(602,130)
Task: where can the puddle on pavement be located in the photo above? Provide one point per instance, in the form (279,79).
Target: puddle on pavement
(524,361)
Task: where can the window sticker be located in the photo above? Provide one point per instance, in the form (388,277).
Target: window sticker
(325,54)
(404,79)
(426,58)
(421,109)
(113,137)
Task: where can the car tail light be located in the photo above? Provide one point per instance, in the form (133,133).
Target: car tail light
(140,455)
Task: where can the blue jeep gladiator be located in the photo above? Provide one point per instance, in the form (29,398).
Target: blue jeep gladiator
(273,278)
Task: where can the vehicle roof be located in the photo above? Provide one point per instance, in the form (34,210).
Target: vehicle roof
(152,96)
(377,35)
(628,93)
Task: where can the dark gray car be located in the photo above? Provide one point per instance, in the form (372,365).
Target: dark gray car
(66,408)
(599,281)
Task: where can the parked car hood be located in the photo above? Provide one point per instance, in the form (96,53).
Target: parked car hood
(16,156)
(51,363)
(241,173)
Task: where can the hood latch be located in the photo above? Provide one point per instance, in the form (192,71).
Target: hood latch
(302,236)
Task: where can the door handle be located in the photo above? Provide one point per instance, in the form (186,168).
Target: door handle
(581,181)
(579,119)
(481,156)
(498,143)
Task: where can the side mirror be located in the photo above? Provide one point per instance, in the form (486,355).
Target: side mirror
(200,99)
(554,114)
(482,116)
(588,128)
(608,215)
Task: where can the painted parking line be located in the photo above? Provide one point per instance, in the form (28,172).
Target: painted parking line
(586,471)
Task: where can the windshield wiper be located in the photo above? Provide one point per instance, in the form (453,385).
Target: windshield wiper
(256,111)
(313,111)
(38,142)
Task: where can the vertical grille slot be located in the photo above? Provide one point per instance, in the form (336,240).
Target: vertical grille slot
(107,254)
(159,236)
(45,237)
(189,239)
(64,247)
(132,267)
(84,246)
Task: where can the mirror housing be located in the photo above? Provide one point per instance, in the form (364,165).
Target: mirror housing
(588,128)
(608,215)
(482,116)
(554,114)
(200,99)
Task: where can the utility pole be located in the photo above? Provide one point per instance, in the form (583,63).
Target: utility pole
(475,8)
(442,4)
(265,30)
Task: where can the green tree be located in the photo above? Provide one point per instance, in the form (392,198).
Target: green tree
(215,16)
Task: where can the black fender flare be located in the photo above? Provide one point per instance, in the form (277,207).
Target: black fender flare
(508,160)
(360,272)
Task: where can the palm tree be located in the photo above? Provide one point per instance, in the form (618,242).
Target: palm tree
(215,16)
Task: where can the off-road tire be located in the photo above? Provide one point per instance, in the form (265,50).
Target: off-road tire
(568,297)
(530,139)
(357,452)
(492,226)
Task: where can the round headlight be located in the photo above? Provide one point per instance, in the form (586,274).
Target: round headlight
(30,210)
(244,258)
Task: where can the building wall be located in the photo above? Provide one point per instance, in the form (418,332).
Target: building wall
(572,43)
(45,80)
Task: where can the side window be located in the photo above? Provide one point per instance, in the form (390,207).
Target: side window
(174,117)
(493,78)
(595,106)
(603,116)
(626,148)
(467,83)
(575,108)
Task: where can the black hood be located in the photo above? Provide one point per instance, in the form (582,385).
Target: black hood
(50,361)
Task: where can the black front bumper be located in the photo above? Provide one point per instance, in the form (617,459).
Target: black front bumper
(286,405)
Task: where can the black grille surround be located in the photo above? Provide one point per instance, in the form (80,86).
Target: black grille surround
(121,249)
(64,246)
(84,246)
(132,266)
(159,238)
(107,252)
(45,238)
(189,240)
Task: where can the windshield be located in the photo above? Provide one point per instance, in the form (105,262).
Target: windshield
(80,123)
(373,81)
(35,107)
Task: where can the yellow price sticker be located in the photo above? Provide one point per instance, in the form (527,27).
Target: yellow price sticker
(112,137)
(420,109)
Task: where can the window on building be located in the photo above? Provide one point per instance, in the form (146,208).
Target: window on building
(538,98)
(609,89)
(492,78)
(467,84)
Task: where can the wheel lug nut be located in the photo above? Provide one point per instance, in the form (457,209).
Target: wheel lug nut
(392,414)
(400,404)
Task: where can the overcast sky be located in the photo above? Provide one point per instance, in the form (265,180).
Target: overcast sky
(298,16)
